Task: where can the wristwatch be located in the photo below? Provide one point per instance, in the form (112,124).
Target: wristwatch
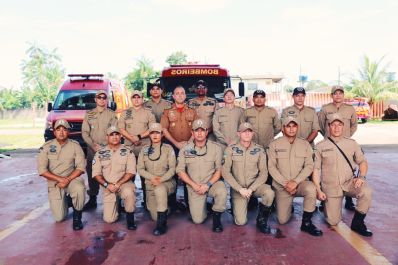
(106,185)
(139,137)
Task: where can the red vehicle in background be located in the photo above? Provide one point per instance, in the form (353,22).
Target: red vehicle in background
(76,96)
(361,107)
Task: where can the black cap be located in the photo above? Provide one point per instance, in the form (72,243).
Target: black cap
(201,82)
(298,90)
(151,85)
(259,92)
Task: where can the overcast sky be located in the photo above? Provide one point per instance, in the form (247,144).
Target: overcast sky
(246,37)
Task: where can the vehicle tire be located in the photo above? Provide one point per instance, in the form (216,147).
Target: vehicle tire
(364,120)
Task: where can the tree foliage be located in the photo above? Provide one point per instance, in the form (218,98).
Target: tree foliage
(138,78)
(177,57)
(42,73)
(372,81)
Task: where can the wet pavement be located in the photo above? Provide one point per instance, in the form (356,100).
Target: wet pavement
(28,234)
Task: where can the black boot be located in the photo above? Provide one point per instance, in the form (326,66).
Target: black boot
(308,226)
(91,204)
(349,204)
(321,206)
(262,218)
(217,226)
(161,224)
(77,220)
(69,201)
(358,225)
(130,221)
(253,203)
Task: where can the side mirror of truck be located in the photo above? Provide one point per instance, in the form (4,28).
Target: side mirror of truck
(112,106)
(49,106)
(241,89)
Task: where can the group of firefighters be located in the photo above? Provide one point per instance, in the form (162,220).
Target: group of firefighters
(220,150)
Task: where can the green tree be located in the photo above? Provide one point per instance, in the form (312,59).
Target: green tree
(373,82)
(10,99)
(177,57)
(138,78)
(315,84)
(42,73)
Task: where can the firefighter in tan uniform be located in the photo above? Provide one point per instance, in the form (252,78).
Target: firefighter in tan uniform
(61,161)
(157,164)
(227,119)
(199,166)
(204,106)
(306,116)
(350,122)
(245,170)
(95,124)
(134,126)
(337,177)
(290,163)
(264,119)
(157,104)
(113,168)
(177,129)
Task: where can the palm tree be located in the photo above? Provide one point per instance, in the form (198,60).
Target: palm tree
(373,82)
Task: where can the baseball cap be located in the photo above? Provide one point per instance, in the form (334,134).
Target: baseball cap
(228,90)
(245,126)
(155,84)
(155,127)
(298,90)
(288,120)
(61,122)
(136,92)
(99,92)
(201,82)
(335,88)
(199,123)
(112,129)
(335,117)
(259,92)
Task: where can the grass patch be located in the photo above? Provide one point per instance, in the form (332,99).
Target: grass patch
(381,122)
(10,142)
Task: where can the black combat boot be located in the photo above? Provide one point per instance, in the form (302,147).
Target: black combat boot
(349,204)
(217,226)
(358,225)
(161,224)
(69,201)
(91,204)
(308,226)
(130,221)
(77,220)
(262,218)
(253,203)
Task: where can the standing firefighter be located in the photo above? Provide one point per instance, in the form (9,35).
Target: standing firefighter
(113,168)
(61,161)
(245,170)
(335,160)
(290,163)
(156,103)
(199,166)
(157,163)
(95,124)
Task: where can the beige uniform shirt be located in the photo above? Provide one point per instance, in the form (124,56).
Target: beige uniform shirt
(265,123)
(135,121)
(157,161)
(336,173)
(157,108)
(112,165)
(61,160)
(179,124)
(204,108)
(307,118)
(245,168)
(289,161)
(226,122)
(346,111)
(200,163)
(95,124)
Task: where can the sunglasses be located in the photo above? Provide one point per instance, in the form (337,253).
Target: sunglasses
(102,97)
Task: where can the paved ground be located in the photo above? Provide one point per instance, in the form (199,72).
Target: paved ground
(28,235)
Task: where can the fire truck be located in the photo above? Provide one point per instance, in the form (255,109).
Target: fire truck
(216,77)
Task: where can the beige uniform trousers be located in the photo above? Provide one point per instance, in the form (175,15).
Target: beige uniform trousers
(156,197)
(239,203)
(333,204)
(284,200)
(197,202)
(56,197)
(126,193)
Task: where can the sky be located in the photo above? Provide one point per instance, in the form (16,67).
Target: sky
(247,37)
